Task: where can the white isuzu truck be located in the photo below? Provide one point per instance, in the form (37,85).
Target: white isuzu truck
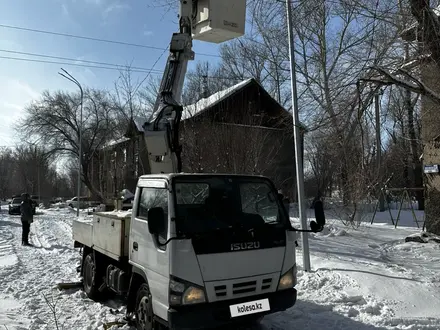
(197,250)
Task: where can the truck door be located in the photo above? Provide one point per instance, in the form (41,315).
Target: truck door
(145,251)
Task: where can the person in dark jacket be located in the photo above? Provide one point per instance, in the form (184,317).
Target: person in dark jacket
(285,200)
(27,218)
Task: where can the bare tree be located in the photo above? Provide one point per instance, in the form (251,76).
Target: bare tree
(205,80)
(129,98)
(329,65)
(32,169)
(6,172)
(54,121)
(29,168)
(319,157)
(330,60)
(148,93)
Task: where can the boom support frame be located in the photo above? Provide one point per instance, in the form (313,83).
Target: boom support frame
(161,131)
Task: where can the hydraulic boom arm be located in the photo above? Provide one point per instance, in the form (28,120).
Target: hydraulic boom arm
(161,132)
(208,20)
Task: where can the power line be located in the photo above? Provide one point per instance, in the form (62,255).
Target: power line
(72,59)
(92,38)
(149,71)
(66,63)
(146,77)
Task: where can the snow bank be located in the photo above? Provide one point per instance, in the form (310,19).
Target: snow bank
(423,238)
(331,231)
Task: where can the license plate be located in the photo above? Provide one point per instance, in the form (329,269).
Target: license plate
(250,307)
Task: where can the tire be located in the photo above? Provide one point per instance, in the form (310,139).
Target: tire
(144,309)
(91,282)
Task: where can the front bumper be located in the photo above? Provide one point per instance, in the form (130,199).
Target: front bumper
(217,314)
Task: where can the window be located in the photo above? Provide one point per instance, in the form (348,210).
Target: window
(205,203)
(259,198)
(136,158)
(192,193)
(154,197)
(136,165)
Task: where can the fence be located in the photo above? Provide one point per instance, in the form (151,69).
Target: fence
(399,199)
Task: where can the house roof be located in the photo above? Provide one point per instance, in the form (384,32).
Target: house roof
(136,123)
(115,142)
(139,122)
(206,103)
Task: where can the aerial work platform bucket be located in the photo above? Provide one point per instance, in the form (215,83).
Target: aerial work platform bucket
(219,20)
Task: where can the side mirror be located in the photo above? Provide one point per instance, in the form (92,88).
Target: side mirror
(319,224)
(156,220)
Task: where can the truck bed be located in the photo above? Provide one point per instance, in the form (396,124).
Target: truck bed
(107,232)
(82,231)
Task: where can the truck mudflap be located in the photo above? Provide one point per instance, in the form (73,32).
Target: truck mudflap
(223,313)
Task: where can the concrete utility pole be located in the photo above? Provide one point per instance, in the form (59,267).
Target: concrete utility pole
(72,79)
(379,149)
(297,138)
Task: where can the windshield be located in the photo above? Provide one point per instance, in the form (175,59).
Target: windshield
(16,201)
(206,203)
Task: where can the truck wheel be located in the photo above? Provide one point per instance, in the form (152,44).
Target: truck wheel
(89,278)
(144,309)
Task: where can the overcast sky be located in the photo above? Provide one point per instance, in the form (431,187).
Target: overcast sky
(132,21)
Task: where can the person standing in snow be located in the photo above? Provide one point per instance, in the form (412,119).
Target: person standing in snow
(285,200)
(27,218)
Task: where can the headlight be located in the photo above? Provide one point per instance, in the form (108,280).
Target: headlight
(288,280)
(185,293)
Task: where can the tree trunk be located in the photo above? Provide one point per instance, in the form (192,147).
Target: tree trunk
(344,184)
(88,183)
(432,213)
(416,162)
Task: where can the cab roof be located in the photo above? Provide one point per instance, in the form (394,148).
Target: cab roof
(169,176)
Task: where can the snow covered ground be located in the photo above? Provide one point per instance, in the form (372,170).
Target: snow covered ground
(365,278)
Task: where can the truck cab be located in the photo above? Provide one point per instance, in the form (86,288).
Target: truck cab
(213,249)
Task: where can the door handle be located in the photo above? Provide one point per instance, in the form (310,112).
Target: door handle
(135,246)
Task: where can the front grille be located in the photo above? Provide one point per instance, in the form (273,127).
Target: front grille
(221,291)
(244,287)
(266,284)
